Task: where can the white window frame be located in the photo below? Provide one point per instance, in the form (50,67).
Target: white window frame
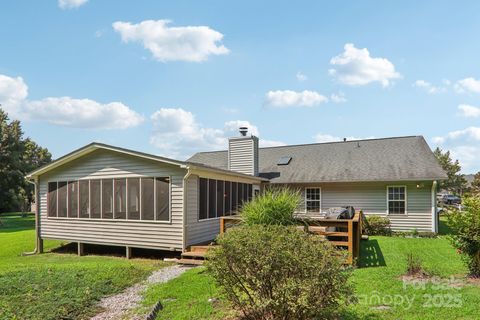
(405,200)
(319,200)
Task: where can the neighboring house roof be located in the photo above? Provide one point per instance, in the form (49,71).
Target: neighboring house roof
(469,178)
(96,146)
(389,159)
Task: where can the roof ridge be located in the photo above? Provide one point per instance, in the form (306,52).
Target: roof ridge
(320,143)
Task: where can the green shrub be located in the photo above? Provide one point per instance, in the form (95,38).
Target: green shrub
(377,226)
(466,232)
(275,206)
(278,272)
(414,265)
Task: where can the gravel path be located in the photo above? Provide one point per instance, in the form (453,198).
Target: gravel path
(116,307)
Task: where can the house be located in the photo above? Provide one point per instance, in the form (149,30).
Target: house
(102,194)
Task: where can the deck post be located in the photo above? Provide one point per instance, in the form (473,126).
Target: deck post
(350,241)
(128,252)
(40,245)
(80,249)
(222,225)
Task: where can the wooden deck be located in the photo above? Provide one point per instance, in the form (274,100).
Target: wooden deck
(345,233)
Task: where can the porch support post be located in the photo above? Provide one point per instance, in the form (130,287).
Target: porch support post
(128,252)
(80,249)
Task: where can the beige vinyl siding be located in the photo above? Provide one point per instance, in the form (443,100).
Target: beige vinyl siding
(109,164)
(372,199)
(243,155)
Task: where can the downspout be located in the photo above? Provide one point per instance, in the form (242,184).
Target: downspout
(434,207)
(37,220)
(185,180)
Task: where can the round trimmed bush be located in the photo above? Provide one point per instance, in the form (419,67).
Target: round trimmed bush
(277,272)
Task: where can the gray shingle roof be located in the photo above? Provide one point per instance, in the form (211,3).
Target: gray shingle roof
(388,159)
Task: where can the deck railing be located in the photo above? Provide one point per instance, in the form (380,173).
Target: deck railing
(347,233)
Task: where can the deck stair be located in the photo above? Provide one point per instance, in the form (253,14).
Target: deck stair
(194,255)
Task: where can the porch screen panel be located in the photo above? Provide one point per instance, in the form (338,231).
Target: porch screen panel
(73,199)
(249,192)
(107,198)
(83,197)
(239,195)
(245,192)
(133,198)
(203,199)
(220,198)
(52,199)
(62,199)
(234,197)
(120,195)
(162,189)
(212,196)
(147,199)
(95,199)
(227,195)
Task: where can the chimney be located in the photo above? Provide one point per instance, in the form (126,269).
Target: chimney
(243,153)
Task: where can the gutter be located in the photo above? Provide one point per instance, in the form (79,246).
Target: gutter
(434,207)
(37,221)
(185,180)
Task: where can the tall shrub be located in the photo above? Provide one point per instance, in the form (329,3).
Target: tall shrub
(465,224)
(275,206)
(277,272)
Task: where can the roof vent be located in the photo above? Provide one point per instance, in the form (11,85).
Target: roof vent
(283,161)
(243,131)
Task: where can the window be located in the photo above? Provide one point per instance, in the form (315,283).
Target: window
(227,196)
(62,199)
(73,199)
(84,211)
(234,198)
(107,199)
(220,198)
(212,198)
(203,199)
(119,198)
(52,199)
(147,204)
(312,200)
(162,189)
(95,199)
(133,204)
(120,191)
(397,199)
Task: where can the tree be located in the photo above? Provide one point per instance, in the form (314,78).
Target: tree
(456,181)
(18,156)
(476,183)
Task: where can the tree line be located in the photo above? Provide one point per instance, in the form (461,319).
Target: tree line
(18,156)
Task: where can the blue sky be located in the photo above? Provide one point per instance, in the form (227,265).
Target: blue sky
(176,77)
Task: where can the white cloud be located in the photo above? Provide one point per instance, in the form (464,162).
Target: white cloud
(468,85)
(356,67)
(338,97)
(301,77)
(289,98)
(467,155)
(64,111)
(469,111)
(71,4)
(178,134)
(190,43)
(320,137)
(428,87)
(438,140)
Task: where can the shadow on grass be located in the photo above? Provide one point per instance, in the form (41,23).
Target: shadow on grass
(371,255)
(443,227)
(351,315)
(14,222)
(115,251)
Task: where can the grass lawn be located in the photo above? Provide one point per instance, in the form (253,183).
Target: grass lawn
(57,286)
(380,289)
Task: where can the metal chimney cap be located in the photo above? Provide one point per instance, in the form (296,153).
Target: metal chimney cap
(243,131)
